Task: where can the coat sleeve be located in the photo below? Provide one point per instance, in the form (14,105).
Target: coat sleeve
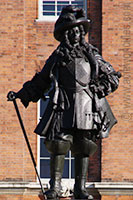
(34,89)
(107,80)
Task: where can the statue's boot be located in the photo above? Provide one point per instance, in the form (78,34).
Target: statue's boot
(81,168)
(56,170)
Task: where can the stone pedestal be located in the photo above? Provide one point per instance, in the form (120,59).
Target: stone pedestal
(100,191)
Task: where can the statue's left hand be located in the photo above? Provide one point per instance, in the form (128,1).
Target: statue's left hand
(97,89)
(11,96)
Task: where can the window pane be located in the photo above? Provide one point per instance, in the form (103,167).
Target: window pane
(66,169)
(43,150)
(62,2)
(48,7)
(78,3)
(43,104)
(67,155)
(72,168)
(59,8)
(54,7)
(48,2)
(60,5)
(45,168)
(49,13)
(58,13)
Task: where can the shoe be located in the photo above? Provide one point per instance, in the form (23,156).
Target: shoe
(51,194)
(82,194)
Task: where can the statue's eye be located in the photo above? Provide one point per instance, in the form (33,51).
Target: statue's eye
(70,32)
(77,31)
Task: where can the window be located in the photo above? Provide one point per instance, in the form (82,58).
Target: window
(44,156)
(50,10)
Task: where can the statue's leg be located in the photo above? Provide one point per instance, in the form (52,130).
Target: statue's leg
(58,150)
(56,170)
(81,168)
(82,148)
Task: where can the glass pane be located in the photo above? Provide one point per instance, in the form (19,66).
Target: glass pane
(72,168)
(49,13)
(43,105)
(48,8)
(62,2)
(78,3)
(43,150)
(51,6)
(59,7)
(66,169)
(67,155)
(48,2)
(58,13)
(45,168)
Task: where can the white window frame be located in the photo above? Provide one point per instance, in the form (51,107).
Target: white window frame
(41,17)
(69,182)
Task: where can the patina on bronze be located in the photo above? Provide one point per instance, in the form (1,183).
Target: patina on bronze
(78,113)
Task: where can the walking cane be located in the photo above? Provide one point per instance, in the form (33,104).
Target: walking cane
(11,97)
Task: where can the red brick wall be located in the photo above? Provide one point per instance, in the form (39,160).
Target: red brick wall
(24,47)
(94,11)
(117,197)
(117,150)
(12,145)
(94,37)
(19,197)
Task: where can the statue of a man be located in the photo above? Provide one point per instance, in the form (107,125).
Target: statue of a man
(77,115)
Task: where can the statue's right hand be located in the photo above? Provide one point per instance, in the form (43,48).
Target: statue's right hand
(11,96)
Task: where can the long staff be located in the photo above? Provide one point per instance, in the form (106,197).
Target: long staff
(11,97)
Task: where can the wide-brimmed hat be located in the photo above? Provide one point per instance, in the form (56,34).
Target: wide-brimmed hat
(70,17)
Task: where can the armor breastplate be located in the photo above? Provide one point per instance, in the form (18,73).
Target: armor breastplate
(83,102)
(82,71)
(76,80)
(75,75)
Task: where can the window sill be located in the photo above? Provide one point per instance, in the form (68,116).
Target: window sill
(96,188)
(47,19)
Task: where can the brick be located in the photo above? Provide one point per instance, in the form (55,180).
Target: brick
(117,197)
(117,150)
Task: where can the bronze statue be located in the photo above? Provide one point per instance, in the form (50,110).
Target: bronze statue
(77,115)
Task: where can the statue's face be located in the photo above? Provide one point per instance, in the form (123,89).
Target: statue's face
(74,35)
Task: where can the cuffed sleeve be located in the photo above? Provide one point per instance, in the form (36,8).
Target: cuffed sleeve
(108,77)
(107,80)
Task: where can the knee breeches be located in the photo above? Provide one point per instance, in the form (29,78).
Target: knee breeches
(79,142)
